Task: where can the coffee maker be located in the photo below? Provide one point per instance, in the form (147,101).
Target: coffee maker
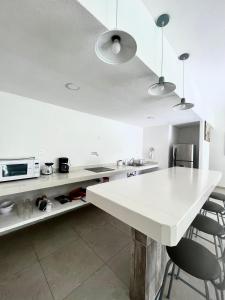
(64,165)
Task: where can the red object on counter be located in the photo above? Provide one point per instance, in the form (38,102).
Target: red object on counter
(77,193)
(105,179)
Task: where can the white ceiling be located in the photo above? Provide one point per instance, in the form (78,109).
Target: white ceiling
(198,27)
(47,43)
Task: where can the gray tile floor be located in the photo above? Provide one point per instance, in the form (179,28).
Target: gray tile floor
(82,255)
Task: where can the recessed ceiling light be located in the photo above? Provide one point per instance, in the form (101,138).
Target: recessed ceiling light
(150,117)
(71,86)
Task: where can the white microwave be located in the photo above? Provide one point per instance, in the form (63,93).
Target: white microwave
(19,168)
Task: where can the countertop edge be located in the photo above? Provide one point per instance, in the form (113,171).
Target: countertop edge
(39,183)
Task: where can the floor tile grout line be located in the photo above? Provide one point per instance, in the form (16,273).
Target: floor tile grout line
(31,244)
(87,244)
(39,262)
(9,276)
(119,228)
(103,264)
(107,264)
(84,280)
(108,222)
(46,279)
(25,267)
(114,255)
(67,243)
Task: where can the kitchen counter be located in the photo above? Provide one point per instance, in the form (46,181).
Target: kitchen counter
(159,207)
(57,179)
(13,221)
(160,204)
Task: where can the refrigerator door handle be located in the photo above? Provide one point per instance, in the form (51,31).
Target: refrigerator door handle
(174,156)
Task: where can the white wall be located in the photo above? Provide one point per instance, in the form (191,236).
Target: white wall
(217,152)
(157,137)
(32,128)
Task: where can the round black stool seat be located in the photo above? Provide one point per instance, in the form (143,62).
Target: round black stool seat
(217,196)
(213,207)
(208,225)
(195,259)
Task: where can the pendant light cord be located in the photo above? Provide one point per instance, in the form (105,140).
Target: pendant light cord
(183,78)
(116,13)
(162,51)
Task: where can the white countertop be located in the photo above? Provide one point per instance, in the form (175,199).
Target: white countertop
(160,204)
(57,179)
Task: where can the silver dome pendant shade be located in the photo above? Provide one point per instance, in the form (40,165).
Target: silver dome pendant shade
(183,105)
(115,46)
(162,88)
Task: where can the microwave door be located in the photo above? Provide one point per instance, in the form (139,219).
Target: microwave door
(14,170)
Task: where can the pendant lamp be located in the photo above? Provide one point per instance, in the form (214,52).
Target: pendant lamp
(162,87)
(115,46)
(183,105)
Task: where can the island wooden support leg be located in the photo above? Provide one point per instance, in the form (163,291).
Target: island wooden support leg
(147,267)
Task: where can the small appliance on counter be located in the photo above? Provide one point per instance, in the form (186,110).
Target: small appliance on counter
(47,168)
(19,168)
(64,165)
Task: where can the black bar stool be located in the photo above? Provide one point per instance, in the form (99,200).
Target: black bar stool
(218,196)
(215,208)
(196,260)
(209,226)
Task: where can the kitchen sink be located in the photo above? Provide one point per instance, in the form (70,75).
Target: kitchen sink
(99,169)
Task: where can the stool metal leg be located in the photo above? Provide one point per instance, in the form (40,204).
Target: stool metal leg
(221,246)
(218,218)
(215,243)
(164,279)
(187,234)
(196,233)
(178,273)
(222,219)
(206,290)
(217,294)
(171,282)
(191,232)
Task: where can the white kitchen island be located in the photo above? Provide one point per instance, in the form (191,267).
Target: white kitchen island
(159,206)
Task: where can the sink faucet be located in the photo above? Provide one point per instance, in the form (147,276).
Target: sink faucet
(95,153)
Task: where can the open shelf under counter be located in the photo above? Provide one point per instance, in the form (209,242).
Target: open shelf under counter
(14,221)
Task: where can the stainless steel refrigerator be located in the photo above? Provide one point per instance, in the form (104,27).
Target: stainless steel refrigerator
(184,155)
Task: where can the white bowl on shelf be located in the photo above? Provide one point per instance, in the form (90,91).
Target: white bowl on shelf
(6,207)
